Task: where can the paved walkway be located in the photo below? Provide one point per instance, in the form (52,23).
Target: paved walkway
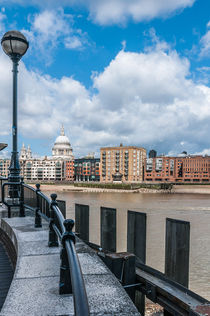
(34,289)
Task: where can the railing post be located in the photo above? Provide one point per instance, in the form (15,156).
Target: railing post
(22,209)
(53,239)
(38,219)
(9,211)
(65,286)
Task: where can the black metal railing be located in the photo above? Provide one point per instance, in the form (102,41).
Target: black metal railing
(60,233)
(2,180)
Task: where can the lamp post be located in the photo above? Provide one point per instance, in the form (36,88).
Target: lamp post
(14,45)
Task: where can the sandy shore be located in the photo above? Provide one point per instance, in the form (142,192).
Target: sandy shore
(72,188)
(190,189)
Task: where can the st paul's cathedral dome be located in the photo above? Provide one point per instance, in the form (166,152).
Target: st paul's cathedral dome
(62,148)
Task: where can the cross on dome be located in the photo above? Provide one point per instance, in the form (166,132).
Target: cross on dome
(62,130)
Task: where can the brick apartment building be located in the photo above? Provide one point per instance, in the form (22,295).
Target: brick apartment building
(177,169)
(123,163)
(69,170)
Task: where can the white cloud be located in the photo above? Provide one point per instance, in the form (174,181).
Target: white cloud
(119,11)
(2,21)
(144,99)
(73,42)
(106,12)
(51,28)
(205,43)
(203,152)
(51,24)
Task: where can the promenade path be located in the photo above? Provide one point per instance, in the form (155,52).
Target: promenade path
(34,289)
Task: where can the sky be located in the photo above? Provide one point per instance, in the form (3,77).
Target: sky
(135,72)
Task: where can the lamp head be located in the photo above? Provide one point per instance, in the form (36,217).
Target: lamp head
(14,44)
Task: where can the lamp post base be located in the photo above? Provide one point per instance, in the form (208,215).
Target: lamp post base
(14,176)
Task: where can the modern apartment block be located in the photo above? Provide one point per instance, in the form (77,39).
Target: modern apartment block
(42,169)
(123,163)
(177,169)
(87,169)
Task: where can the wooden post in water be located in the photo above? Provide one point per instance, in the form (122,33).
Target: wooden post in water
(82,221)
(136,244)
(177,250)
(136,234)
(108,229)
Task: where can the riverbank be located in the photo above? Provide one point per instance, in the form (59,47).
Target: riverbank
(176,189)
(192,189)
(72,188)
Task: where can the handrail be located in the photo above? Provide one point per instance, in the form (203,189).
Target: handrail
(77,281)
(44,196)
(60,218)
(80,297)
(169,294)
(29,187)
(71,279)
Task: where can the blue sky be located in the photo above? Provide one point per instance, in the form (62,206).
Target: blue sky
(111,71)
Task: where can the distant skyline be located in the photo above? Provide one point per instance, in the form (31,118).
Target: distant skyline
(134,72)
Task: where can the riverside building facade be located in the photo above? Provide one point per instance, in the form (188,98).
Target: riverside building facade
(87,169)
(123,163)
(177,169)
(59,167)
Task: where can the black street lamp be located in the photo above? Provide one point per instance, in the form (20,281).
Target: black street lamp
(15,45)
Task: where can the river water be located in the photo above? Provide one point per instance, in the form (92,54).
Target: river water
(194,208)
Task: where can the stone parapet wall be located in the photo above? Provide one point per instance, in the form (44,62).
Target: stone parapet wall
(9,246)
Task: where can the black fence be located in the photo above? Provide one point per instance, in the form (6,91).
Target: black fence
(169,289)
(60,233)
(2,181)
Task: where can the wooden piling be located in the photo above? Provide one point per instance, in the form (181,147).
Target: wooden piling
(108,229)
(136,234)
(62,207)
(82,221)
(136,244)
(177,250)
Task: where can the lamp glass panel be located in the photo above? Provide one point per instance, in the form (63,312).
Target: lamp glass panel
(15,47)
(6,47)
(19,47)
